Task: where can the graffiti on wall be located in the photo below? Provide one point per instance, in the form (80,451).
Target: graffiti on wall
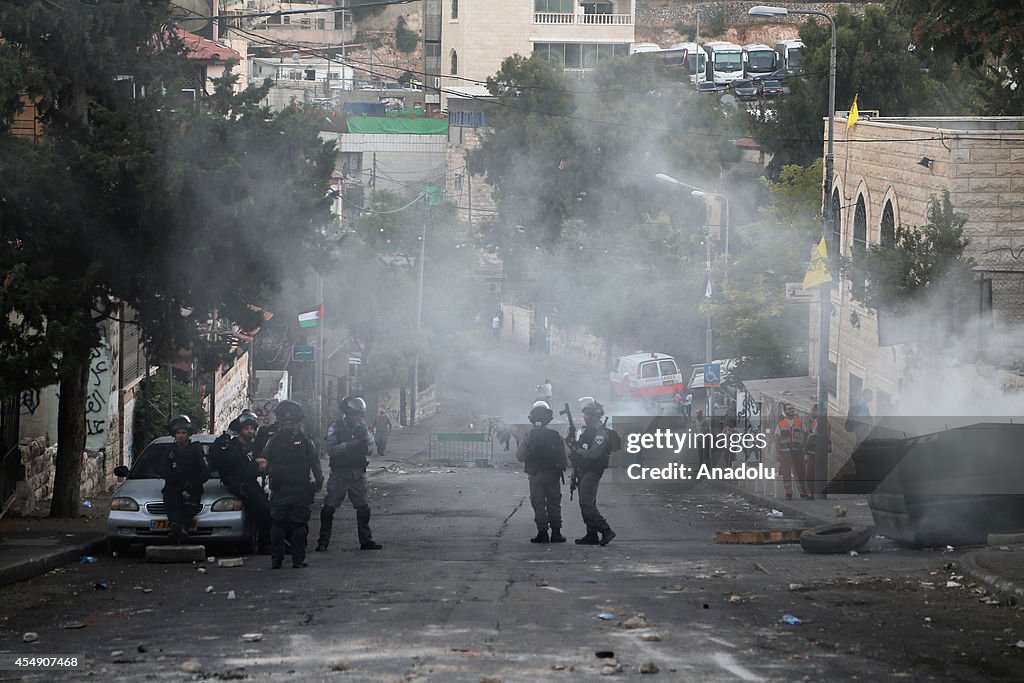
(28,402)
(264,409)
(388,399)
(97,398)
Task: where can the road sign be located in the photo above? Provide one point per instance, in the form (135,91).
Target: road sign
(303,354)
(795,293)
(713,375)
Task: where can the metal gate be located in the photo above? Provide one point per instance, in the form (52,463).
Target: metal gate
(461,449)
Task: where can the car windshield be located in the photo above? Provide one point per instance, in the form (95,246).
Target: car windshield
(772,84)
(147,465)
(742,84)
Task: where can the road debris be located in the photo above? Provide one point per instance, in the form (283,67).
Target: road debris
(101,586)
(252,637)
(201,570)
(839,510)
(232,562)
(954,584)
(605,616)
(117,653)
(854,553)
(776,513)
(209,589)
(191,667)
(1020,644)
(759,537)
(30,637)
(649,668)
(73,625)
(735,599)
(636,621)
(339,665)
(231,595)
(796,586)
(950,549)
(88,559)
(790,619)
(651,637)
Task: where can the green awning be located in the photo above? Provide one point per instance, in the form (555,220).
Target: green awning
(405,126)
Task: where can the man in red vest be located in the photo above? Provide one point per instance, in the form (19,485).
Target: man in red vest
(789,440)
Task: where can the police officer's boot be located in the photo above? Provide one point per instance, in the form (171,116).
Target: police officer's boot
(590,539)
(542,535)
(556,534)
(366,541)
(326,524)
(607,535)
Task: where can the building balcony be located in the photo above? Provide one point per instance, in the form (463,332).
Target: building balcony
(566,18)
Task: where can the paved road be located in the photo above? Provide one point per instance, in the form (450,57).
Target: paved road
(458,594)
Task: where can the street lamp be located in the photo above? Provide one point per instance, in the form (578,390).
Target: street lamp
(700,194)
(708,355)
(825,307)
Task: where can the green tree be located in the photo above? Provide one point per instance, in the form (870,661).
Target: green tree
(875,61)
(151,418)
(165,207)
(405,40)
(987,38)
(923,267)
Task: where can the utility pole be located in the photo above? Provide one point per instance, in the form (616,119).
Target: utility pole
(469,187)
(319,382)
(373,173)
(419,315)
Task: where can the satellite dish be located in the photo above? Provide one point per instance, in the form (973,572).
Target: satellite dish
(193,15)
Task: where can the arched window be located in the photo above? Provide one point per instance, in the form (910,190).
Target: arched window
(887,229)
(860,227)
(455,9)
(455,63)
(836,245)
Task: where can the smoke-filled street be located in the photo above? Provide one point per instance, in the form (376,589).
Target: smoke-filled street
(459,594)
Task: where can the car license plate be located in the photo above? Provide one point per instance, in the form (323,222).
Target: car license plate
(165,525)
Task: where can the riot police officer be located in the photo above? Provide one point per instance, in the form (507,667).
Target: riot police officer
(543,454)
(184,471)
(239,473)
(589,455)
(291,459)
(349,443)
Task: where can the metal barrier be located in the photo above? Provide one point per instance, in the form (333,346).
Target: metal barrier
(461,449)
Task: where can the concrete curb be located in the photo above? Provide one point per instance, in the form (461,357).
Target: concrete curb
(784,506)
(51,560)
(993,583)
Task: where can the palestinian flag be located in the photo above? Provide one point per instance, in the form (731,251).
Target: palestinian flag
(313,318)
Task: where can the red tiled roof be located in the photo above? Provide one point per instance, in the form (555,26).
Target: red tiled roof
(747,143)
(205,50)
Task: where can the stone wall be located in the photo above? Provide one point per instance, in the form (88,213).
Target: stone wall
(38,460)
(657,13)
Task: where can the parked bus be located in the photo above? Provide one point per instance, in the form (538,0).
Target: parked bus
(695,57)
(725,61)
(789,52)
(758,60)
(639,48)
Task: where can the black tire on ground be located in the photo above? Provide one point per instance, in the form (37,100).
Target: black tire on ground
(834,538)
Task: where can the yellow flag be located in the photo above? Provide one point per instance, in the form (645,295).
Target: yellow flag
(817,272)
(851,119)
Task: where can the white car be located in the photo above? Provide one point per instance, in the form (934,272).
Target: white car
(137,508)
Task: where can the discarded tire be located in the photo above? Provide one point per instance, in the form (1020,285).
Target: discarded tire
(175,553)
(834,538)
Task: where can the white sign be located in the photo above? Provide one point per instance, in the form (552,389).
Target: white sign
(796,293)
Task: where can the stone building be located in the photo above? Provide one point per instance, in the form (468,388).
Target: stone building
(886,171)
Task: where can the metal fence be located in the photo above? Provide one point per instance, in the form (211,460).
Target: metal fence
(461,449)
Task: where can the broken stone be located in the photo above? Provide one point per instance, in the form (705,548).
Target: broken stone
(611,669)
(147,590)
(209,589)
(558,667)
(339,665)
(953,584)
(541,583)
(638,621)
(232,562)
(211,559)
(191,667)
(231,595)
(796,586)
(73,625)
(201,570)
(142,647)
(651,637)
(839,510)
(252,637)
(30,637)
(854,553)
(733,599)
(117,653)
(649,668)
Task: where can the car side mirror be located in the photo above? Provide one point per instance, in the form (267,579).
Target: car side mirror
(121,471)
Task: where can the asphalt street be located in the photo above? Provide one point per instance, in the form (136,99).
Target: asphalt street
(459,594)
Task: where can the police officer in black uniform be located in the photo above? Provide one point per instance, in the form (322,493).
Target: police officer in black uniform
(589,456)
(291,459)
(184,471)
(543,455)
(349,443)
(239,473)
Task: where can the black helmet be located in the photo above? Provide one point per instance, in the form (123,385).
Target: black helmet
(541,413)
(591,407)
(181,422)
(247,417)
(353,405)
(288,411)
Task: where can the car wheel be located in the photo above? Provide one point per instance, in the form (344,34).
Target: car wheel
(834,538)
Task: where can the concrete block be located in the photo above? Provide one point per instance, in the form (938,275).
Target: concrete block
(175,553)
